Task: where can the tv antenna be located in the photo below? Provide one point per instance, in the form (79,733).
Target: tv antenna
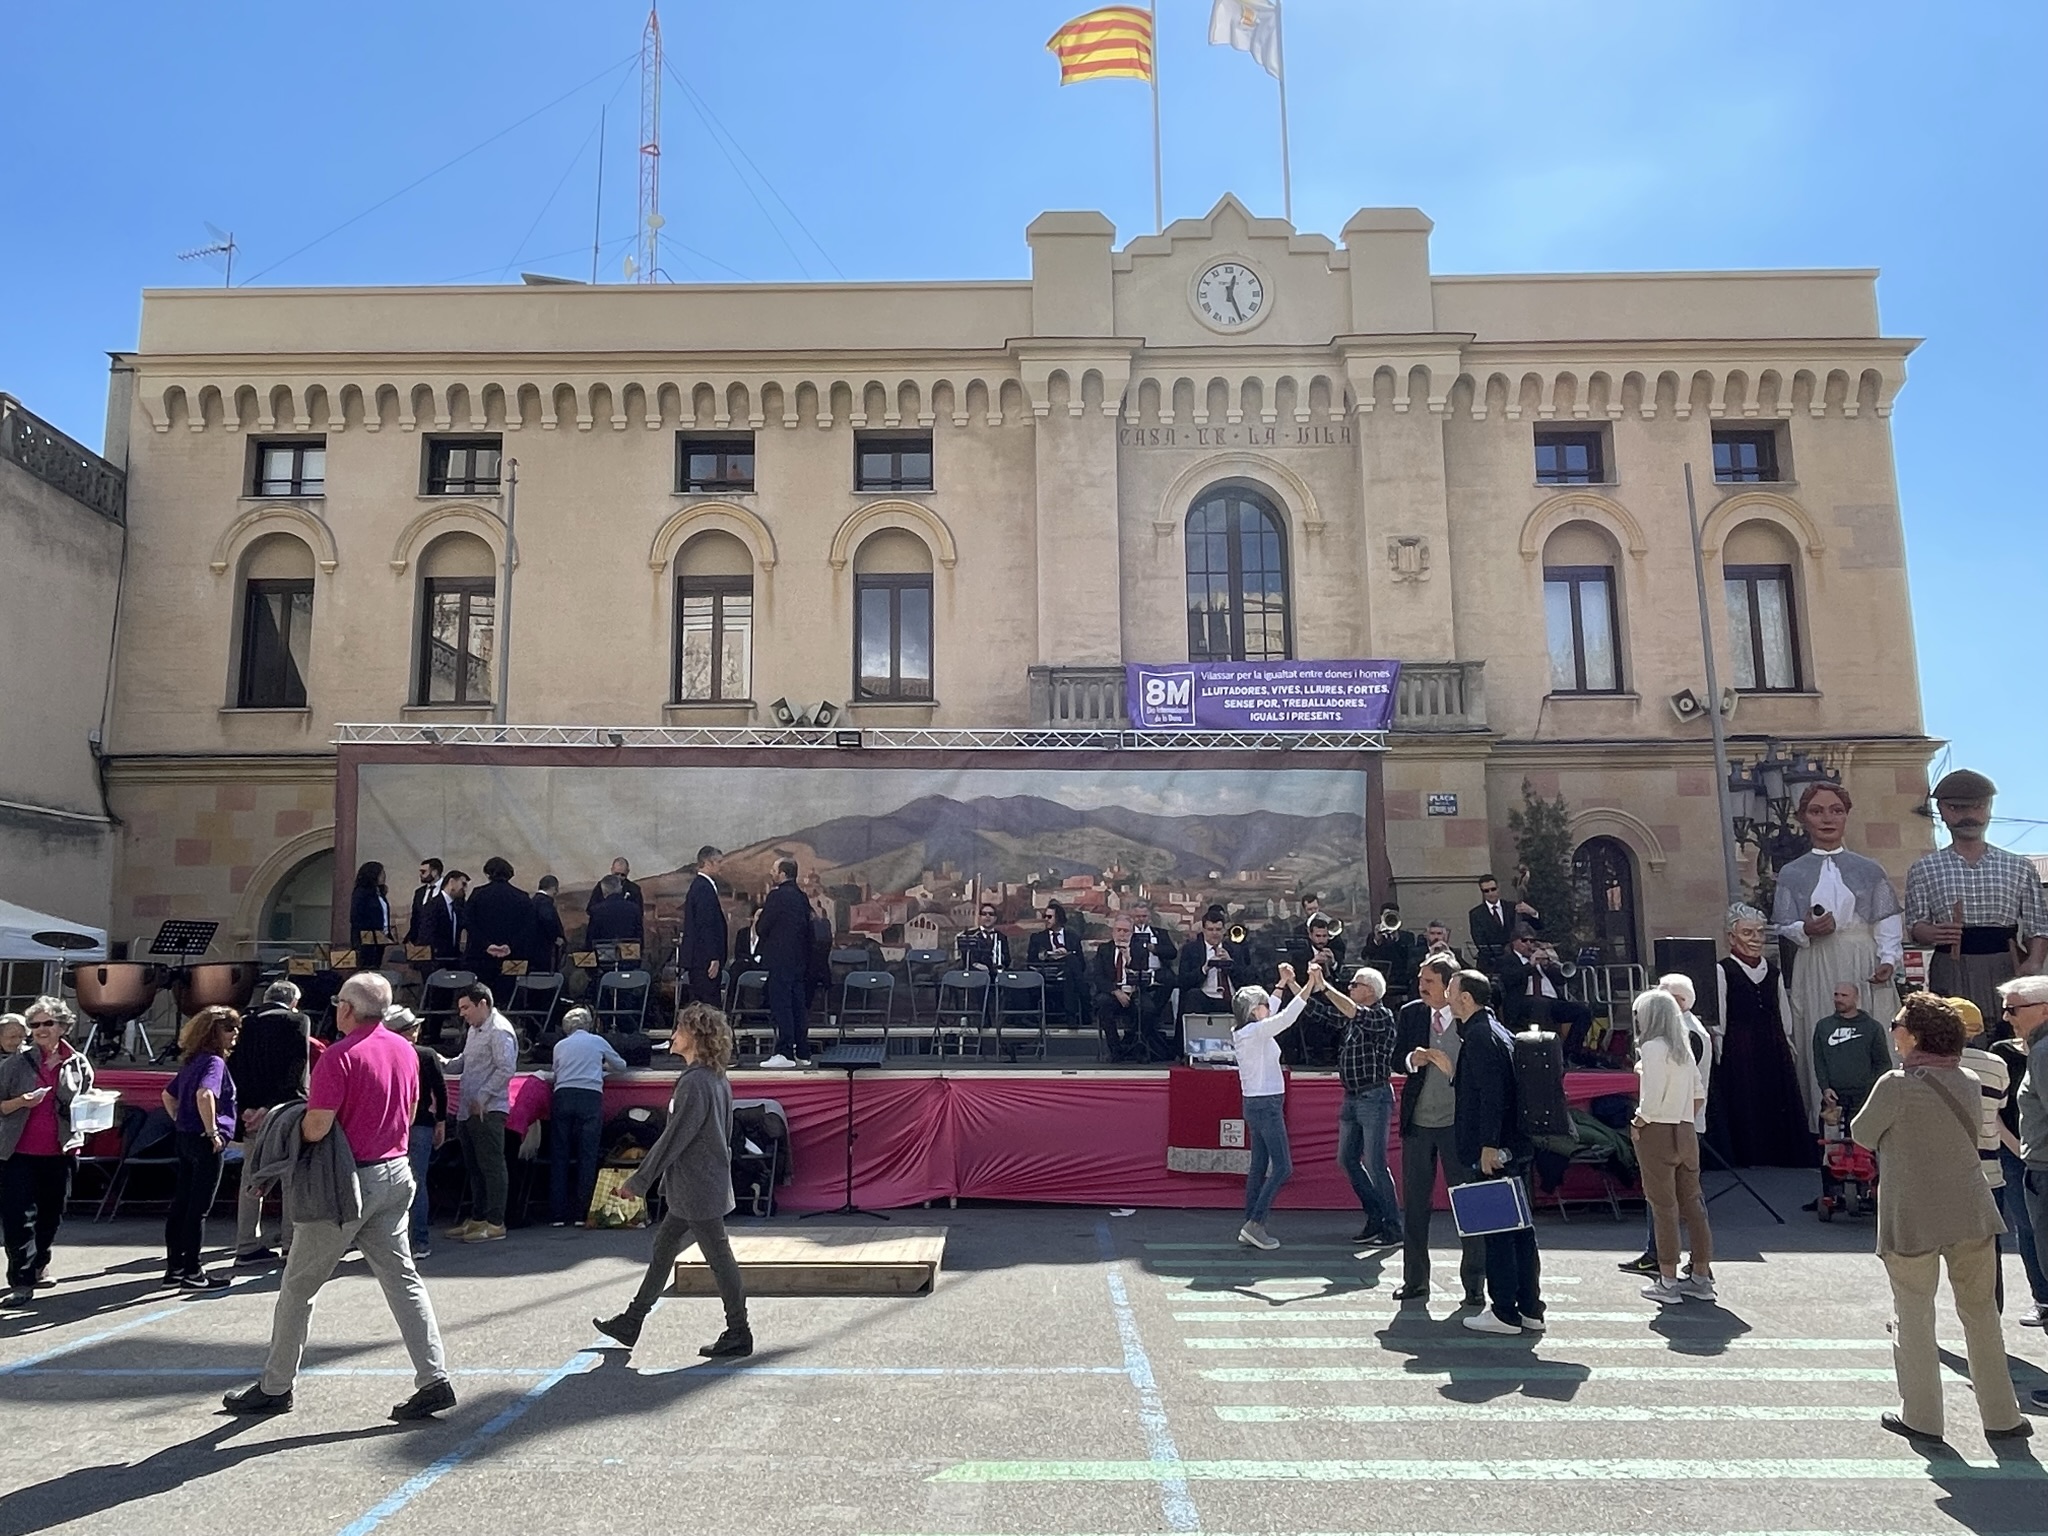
(219,255)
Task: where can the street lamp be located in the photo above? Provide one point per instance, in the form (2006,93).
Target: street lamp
(1762,797)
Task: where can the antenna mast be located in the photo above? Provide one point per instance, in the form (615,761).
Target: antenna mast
(223,244)
(650,147)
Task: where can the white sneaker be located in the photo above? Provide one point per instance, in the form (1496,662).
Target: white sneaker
(1533,1324)
(778,1063)
(1254,1234)
(1697,1288)
(1486,1322)
(1666,1293)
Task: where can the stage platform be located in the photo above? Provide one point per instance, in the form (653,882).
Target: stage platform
(1060,1136)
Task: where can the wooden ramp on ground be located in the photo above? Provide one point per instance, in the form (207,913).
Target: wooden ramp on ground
(824,1261)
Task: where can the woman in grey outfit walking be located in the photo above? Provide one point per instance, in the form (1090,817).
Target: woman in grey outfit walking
(692,1164)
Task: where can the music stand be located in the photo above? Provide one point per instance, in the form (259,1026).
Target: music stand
(850,1059)
(177,939)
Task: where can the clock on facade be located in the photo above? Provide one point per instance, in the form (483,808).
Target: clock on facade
(1229,296)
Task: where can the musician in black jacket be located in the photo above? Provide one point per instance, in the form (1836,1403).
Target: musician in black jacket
(369,917)
(1494,923)
(984,947)
(1426,1047)
(429,889)
(614,919)
(1533,990)
(1055,953)
(1490,1140)
(500,928)
(1212,968)
(705,939)
(782,932)
(1394,952)
(547,924)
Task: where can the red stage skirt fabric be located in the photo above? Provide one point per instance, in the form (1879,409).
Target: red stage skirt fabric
(1064,1138)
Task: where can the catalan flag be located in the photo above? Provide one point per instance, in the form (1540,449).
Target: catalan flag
(1114,43)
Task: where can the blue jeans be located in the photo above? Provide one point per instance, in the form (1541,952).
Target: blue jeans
(1362,1123)
(1265,1121)
(575,1124)
(419,1151)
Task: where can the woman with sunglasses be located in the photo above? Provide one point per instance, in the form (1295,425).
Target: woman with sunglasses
(201,1104)
(37,1144)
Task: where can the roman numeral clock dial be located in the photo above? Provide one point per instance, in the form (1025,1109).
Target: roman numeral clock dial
(1229,296)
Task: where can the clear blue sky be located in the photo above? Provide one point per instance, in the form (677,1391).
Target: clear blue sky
(1540,136)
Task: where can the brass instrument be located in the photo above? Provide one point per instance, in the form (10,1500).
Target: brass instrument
(1236,933)
(1337,929)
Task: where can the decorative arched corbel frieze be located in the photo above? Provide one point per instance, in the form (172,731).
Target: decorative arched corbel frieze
(907,515)
(276,517)
(1767,506)
(1573,506)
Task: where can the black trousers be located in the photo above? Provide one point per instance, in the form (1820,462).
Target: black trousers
(1513,1275)
(703,988)
(1423,1147)
(32,1195)
(198,1182)
(1119,1025)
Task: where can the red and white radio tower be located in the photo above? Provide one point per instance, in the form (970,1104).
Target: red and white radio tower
(650,148)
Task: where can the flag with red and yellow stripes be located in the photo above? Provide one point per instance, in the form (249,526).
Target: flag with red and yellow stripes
(1110,44)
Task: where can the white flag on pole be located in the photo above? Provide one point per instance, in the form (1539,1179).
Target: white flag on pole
(1249,26)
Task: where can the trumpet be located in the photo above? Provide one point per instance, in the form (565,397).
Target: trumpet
(1337,928)
(1236,933)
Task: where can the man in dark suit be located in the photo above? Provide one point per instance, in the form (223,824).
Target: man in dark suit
(1533,992)
(783,934)
(455,894)
(614,919)
(1156,960)
(500,928)
(429,889)
(1119,993)
(705,939)
(1055,953)
(624,871)
(1490,1139)
(1493,923)
(1426,1046)
(1391,950)
(1212,968)
(434,922)
(547,924)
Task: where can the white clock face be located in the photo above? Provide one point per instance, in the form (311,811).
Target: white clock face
(1230,295)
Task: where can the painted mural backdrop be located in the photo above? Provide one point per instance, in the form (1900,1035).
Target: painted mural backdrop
(897,856)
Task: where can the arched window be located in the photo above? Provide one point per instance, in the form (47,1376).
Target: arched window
(1604,872)
(714,645)
(275,648)
(1237,579)
(1582,610)
(458,621)
(892,617)
(1757,576)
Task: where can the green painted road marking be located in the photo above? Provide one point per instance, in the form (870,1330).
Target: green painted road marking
(1562,1470)
(1550,1371)
(1344,1315)
(1469,1340)
(1545,1413)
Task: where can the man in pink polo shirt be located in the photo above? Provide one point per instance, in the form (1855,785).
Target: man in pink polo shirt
(364,1090)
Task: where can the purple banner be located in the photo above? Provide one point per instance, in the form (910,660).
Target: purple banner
(1262,695)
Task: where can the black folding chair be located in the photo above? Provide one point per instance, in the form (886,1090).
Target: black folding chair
(753,1023)
(963,1006)
(866,1001)
(437,1002)
(922,969)
(622,1002)
(1020,1004)
(531,1008)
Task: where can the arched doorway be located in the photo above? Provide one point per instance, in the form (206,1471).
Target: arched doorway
(1604,873)
(301,908)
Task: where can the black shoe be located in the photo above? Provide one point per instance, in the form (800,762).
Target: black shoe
(17,1296)
(623,1329)
(428,1401)
(1899,1426)
(729,1345)
(40,1280)
(258,1258)
(2039,1398)
(253,1399)
(1411,1293)
(1474,1299)
(199,1280)
(2023,1430)
(1641,1264)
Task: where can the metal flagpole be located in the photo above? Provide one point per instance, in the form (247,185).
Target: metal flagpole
(1286,166)
(1158,188)
(1720,729)
(505,596)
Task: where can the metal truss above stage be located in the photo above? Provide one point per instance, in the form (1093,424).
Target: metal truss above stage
(851,738)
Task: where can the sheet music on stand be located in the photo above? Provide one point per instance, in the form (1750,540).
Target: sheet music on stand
(185,939)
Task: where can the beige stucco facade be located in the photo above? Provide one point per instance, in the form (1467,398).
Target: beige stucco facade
(1386,413)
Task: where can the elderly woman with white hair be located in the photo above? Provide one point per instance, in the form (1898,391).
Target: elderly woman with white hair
(576,1116)
(1705,1047)
(1665,1131)
(1263,1089)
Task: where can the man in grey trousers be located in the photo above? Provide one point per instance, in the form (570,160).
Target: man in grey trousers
(363,1092)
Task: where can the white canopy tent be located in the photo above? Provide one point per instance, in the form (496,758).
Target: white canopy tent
(26,934)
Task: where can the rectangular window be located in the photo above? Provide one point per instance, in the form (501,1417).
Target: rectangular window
(714,463)
(462,466)
(893,637)
(277,634)
(892,461)
(1581,622)
(714,638)
(1570,458)
(1745,457)
(458,639)
(1762,630)
(295,468)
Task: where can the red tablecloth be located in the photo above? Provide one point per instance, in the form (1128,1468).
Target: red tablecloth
(1069,1138)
